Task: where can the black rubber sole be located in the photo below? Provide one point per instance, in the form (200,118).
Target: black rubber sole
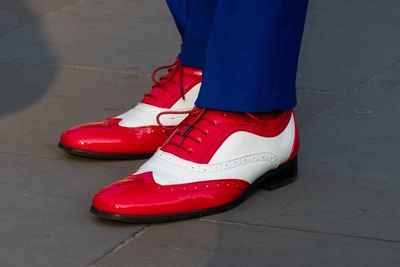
(281,176)
(102,156)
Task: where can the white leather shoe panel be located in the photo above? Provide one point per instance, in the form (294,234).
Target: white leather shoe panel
(168,169)
(145,115)
(242,156)
(242,143)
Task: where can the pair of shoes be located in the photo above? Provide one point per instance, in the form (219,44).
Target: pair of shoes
(205,161)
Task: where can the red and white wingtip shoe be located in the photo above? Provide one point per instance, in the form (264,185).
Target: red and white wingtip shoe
(211,163)
(135,133)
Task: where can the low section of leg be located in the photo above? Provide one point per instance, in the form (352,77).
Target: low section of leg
(194,19)
(252,55)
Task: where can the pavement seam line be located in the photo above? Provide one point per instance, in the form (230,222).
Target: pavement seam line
(294,229)
(318,91)
(70,66)
(119,246)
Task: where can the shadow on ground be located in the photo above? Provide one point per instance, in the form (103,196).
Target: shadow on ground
(22,83)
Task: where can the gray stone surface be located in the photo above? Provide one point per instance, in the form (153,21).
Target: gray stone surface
(347,42)
(45,215)
(17,13)
(122,35)
(348,182)
(64,62)
(211,243)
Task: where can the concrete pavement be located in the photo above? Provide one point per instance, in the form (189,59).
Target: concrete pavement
(64,62)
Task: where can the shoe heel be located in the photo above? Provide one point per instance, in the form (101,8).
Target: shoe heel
(281,176)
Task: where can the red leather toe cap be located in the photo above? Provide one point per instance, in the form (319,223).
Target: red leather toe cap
(109,137)
(140,195)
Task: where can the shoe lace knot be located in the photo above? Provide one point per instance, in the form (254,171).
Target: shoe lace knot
(173,70)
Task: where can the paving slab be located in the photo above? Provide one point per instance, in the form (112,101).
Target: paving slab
(130,35)
(45,193)
(346,42)
(348,181)
(16,13)
(44,211)
(39,107)
(205,243)
(65,62)
(312,103)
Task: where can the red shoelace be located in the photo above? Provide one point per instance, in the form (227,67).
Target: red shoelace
(174,69)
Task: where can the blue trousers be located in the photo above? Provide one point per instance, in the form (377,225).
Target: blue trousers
(248,50)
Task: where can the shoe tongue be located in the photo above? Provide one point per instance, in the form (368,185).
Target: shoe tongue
(169,91)
(166,88)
